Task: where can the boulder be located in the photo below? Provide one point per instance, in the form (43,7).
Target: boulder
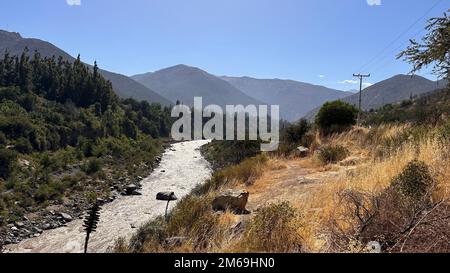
(66,217)
(136,193)
(302,151)
(166,196)
(37,230)
(235,200)
(130,189)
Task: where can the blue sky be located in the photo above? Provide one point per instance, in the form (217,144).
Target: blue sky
(318,41)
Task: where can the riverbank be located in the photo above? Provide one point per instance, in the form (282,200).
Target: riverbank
(182,167)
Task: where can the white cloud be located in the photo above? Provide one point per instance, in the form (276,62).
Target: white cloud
(365,84)
(73,2)
(374,2)
(321,76)
(348,82)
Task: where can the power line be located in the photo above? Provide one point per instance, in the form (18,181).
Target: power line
(378,65)
(400,36)
(361,77)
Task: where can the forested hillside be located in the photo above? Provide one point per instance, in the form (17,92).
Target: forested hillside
(66,138)
(124,87)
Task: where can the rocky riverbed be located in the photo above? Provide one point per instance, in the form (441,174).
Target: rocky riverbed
(182,167)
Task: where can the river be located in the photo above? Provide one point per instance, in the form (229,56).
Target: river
(182,168)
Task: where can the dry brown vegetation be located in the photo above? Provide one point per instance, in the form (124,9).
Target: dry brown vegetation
(393,188)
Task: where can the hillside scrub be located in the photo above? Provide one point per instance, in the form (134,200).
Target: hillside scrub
(369,191)
(430,108)
(64,133)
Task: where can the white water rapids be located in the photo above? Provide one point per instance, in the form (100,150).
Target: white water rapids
(181,169)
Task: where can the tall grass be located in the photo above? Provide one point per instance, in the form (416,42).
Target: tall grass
(275,228)
(326,206)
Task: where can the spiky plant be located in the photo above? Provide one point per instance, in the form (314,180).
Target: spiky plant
(90,222)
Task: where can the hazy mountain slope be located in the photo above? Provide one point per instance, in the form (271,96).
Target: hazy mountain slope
(123,85)
(183,83)
(392,90)
(295,98)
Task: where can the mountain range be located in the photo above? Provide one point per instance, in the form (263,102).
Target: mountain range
(182,83)
(295,98)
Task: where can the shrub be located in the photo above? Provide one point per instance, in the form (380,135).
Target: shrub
(274,229)
(295,132)
(23,146)
(394,213)
(187,213)
(150,235)
(8,160)
(333,153)
(93,165)
(51,190)
(335,117)
(415,182)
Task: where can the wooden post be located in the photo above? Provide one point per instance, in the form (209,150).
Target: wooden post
(167,207)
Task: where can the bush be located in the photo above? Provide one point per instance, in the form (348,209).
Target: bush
(151,235)
(23,146)
(415,182)
(332,154)
(295,132)
(93,165)
(8,160)
(274,229)
(335,117)
(396,211)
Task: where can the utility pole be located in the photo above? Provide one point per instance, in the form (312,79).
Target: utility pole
(361,77)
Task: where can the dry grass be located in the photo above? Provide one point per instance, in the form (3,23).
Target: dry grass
(372,178)
(275,229)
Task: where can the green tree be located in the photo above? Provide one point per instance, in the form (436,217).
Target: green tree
(335,117)
(8,160)
(433,50)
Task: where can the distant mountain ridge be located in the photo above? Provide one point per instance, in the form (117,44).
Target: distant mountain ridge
(183,83)
(124,86)
(294,98)
(392,90)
